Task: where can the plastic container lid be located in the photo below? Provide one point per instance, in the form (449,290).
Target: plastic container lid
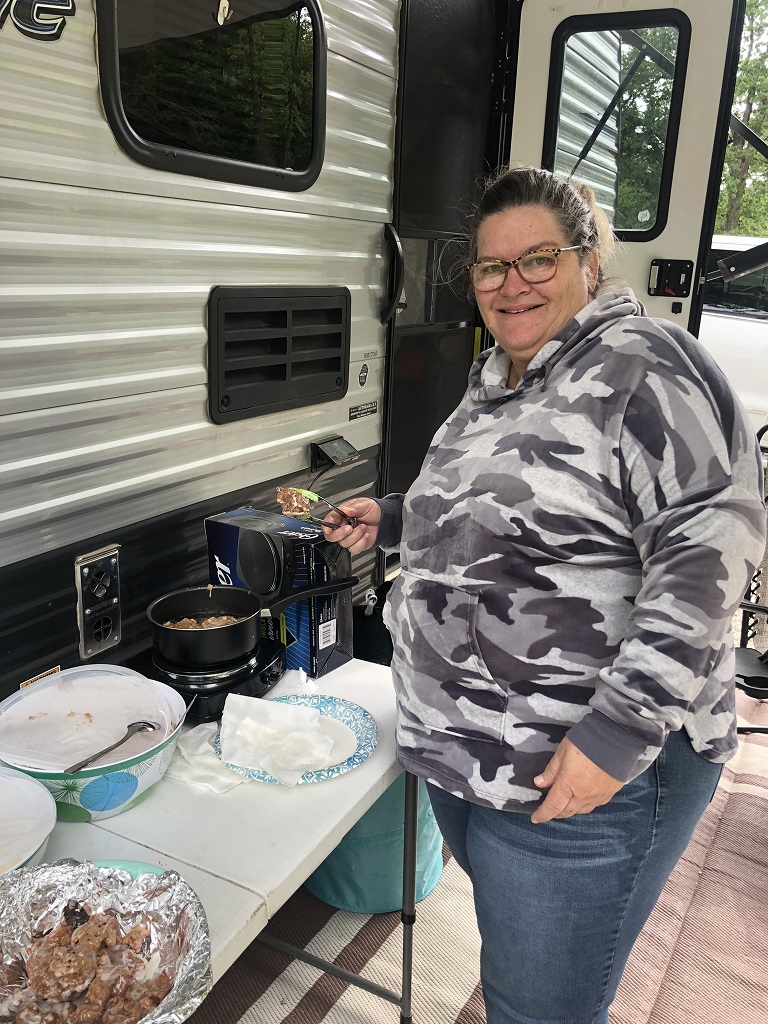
(27,817)
(133,867)
(64,717)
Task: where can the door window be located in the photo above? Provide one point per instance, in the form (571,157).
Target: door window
(615,111)
(234,92)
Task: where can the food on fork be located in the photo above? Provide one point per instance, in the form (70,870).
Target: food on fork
(294,502)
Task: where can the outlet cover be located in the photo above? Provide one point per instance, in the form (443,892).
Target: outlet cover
(97,578)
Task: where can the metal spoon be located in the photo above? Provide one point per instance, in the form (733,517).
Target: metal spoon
(132,728)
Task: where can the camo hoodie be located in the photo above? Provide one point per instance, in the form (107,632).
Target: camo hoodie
(573,552)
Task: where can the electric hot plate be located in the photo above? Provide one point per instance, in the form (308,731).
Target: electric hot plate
(205,690)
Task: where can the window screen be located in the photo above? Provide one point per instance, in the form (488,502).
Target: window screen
(615,109)
(230,91)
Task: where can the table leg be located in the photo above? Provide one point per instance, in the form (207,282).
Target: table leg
(407,917)
(329,968)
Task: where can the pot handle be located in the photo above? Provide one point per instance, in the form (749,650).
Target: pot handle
(318,590)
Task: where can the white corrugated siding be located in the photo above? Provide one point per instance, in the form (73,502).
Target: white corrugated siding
(591,75)
(105,271)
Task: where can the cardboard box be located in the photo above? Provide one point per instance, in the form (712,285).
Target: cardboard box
(272,555)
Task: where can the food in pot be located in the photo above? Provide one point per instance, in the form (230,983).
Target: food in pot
(85,971)
(210,622)
(293,502)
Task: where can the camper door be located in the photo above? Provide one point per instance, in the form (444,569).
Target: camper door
(633,97)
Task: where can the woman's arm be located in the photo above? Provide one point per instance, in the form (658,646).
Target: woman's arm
(692,481)
(691,476)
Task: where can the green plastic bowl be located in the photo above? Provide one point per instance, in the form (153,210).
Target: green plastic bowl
(96,793)
(106,790)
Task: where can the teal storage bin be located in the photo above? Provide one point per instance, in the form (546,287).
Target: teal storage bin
(364,874)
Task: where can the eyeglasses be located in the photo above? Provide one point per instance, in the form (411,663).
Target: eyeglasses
(533,267)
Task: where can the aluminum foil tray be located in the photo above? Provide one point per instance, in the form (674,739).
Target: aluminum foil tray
(32,901)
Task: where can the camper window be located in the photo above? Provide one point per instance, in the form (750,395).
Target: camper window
(613,109)
(233,92)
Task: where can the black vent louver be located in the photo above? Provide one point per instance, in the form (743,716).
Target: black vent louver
(275,348)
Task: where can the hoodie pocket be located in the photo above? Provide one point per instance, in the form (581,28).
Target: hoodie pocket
(443,683)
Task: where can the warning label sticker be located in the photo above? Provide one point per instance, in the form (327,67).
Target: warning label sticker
(366,409)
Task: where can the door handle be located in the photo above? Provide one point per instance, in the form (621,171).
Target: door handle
(389,309)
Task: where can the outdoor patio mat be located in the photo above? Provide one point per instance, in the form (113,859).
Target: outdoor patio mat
(266,987)
(701,958)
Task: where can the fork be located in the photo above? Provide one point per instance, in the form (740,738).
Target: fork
(323,522)
(350,519)
(314,496)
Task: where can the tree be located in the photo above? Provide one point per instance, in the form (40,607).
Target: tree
(743,204)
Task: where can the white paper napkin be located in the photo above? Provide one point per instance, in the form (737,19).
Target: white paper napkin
(196,763)
(296,681)
(283,740)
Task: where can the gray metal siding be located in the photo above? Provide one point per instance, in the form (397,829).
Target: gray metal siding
(591,76)
(105,270)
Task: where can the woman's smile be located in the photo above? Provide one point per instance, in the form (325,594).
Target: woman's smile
(515,312)
(523,317)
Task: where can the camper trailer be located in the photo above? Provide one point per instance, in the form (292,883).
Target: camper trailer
(230,230)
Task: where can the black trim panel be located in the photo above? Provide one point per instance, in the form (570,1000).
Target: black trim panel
(718,159)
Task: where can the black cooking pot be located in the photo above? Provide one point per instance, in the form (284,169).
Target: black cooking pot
(200,648)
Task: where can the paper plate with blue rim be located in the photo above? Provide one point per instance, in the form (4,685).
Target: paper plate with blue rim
(359,721)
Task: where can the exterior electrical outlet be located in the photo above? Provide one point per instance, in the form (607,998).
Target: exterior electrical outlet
(97,578)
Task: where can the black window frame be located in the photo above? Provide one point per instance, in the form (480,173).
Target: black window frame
(206,165)
(605,23)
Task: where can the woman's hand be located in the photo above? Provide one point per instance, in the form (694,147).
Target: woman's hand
(576,785)
(358,538)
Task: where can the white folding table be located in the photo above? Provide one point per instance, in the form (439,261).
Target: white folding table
(246,851)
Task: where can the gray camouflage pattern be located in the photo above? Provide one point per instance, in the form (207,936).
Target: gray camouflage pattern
(573,553)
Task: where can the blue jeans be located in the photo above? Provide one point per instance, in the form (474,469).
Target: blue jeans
(559,905)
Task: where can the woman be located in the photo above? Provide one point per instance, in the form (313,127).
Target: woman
(573,552)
